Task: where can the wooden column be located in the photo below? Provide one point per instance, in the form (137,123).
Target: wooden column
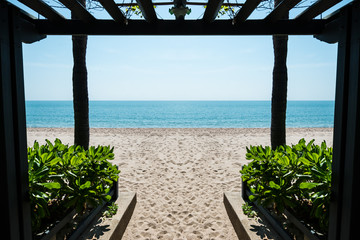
(344,208)
(15,211)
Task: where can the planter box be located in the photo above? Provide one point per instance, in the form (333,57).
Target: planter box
(274,223)
(245,228)
(51,235)
(116,227)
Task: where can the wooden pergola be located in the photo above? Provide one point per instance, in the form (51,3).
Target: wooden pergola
(17,27)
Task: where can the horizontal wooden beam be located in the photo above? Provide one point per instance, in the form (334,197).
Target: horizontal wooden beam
(114,11)
(187,3)
(147,10)
(281,10)
(188,27)
(246,10)
(78,10)
(316,9)
(212,10)
(44,9)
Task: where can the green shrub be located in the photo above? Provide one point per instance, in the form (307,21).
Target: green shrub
(62,178)
(296,177)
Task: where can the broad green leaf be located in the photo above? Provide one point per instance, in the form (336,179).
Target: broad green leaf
(54,161)
(74,160)
(85,185)
(51,185)
(274,185)
(308,185)
(305,161)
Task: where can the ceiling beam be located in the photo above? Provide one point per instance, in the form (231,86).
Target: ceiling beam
(175,28)
(147,10)
(212,10)
(114,11)
(316,9)
(246,10)
(281,10)
(44,9)
(78,10)
(172,3)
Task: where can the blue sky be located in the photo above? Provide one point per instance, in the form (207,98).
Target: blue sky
(180,68)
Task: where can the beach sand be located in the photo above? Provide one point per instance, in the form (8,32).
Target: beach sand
(180,175)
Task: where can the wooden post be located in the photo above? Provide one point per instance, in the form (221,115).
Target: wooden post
(13,153)
(344,208)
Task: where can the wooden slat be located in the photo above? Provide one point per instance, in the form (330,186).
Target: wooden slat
(44,9)
(246,10)
(212,10)
(147,10)
(317,8)
(281,10)
(114,11)
(78,10)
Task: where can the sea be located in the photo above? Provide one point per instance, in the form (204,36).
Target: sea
(179,114)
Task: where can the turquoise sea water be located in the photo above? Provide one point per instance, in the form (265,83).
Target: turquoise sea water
(179,114)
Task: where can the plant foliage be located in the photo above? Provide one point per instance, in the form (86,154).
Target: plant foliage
(62,178)
(296,177)
(111,210)
(248,210)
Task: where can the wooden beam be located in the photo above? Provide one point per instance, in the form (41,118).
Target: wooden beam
(44,9)
(147,10)
(316,9)
(172,3)
(188,27)
(78,10)
(212,10)
(114,11)
(281,10)
(246,10)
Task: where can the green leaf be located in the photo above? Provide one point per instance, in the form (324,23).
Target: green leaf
(305,161)
(252,198)
(51,185)
(54,161)
(91,151)
(74,160)
(85,185)
(308,185)
(36,145)
(274,185)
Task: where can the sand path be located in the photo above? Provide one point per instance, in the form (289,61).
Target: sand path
(180,175)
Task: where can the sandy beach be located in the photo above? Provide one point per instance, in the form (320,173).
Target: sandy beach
(179,175)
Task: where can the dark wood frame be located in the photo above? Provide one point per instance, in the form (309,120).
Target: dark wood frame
(344,208)
(17,26)
(13,155)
